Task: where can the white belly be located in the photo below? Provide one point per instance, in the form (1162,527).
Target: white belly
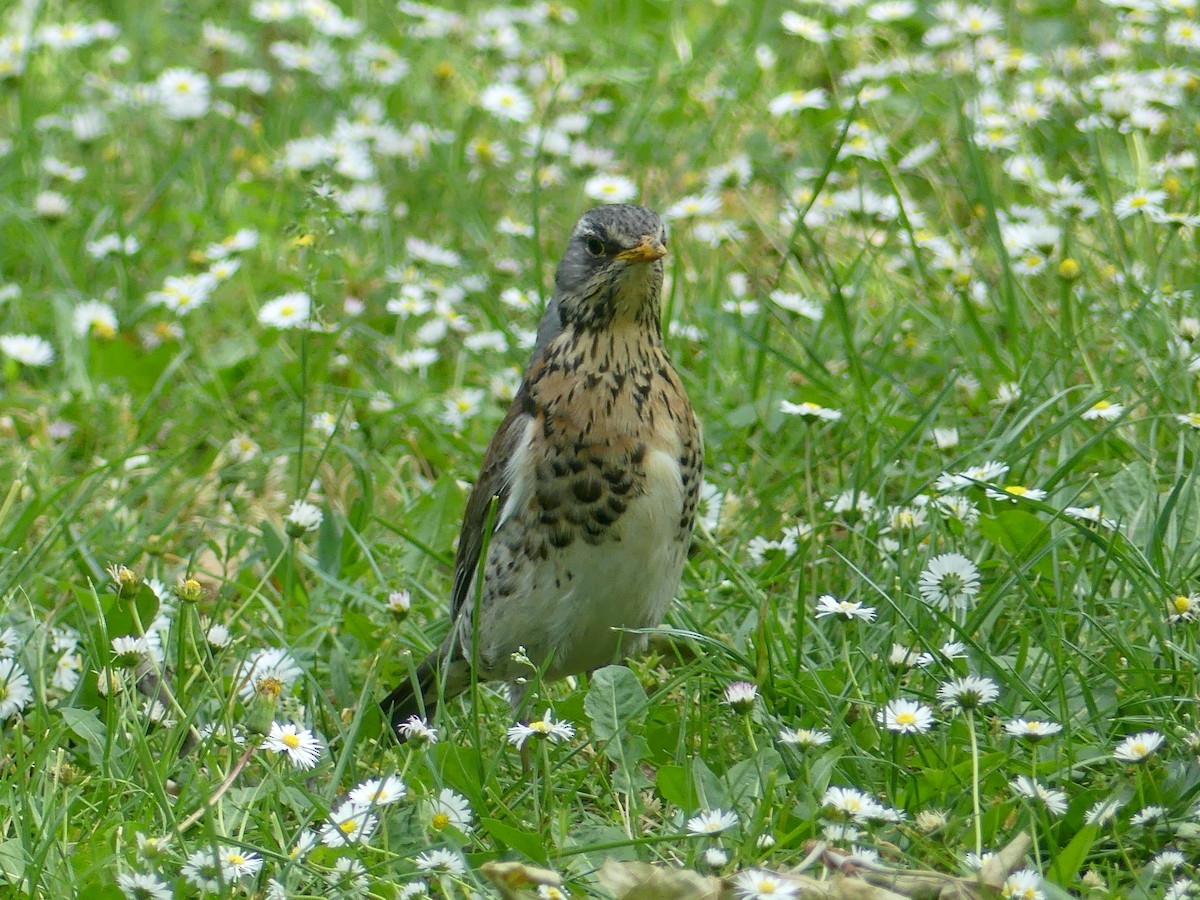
(575,603)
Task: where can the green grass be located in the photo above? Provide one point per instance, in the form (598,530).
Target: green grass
(934,314)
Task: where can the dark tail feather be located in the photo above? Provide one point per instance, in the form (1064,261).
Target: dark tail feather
(435,679)
(415,696)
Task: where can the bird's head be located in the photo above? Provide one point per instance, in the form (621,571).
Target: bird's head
(612,269)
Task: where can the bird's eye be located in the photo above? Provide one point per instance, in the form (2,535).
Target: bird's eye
(594,245)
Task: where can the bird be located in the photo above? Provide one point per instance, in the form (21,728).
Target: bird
(586,498)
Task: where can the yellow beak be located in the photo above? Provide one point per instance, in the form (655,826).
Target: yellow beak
(647,249)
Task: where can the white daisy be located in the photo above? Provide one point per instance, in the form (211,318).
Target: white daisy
(286,311)
(301,746)
(610,189)
(27,349)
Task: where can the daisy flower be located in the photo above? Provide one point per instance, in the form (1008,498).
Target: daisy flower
(237,863)
(202,870)
(741,696)
(1139,202)
(183,93)
(1168,860)
(302,747)
(1055,801)
(1015,492)
(441,861)
(417,731)
(798,304)
(804,738)
(448,810)
(302,517)
(1102,410)
(351,823)
(1139,747)
(15,691)
(96,318)
(853,804)
(1147,814)
(989,471)
(711,822)
(807,410)
(970,692)
(27,349)
(610,189)
(507,102)
(949,580)
(129,650)
(379,791)
(1031,730)
(693,206)
(286,310)
(270,662)
(545,728)
(1184,608)
(828,605)
(1023,885)
(304,845)
(803,26)
(144,886)
(906,717)
(794,101)
(1103,811)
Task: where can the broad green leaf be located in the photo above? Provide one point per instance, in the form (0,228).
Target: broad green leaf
(85,724)
(528,843)
(614,699)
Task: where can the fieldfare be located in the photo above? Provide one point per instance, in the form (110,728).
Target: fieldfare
(589,485)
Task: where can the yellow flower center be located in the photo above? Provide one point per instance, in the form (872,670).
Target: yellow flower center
(235,859)
(440,820)
(1137,202)
(291,741)
(906,718)
(1182,604)
(1103,404)
(1017,490)
(348,826)
(287,310)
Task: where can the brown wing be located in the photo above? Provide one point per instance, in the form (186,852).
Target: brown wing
(493,482)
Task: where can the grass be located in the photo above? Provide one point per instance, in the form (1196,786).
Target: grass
(950,291)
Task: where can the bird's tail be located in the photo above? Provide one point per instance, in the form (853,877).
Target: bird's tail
(435,679)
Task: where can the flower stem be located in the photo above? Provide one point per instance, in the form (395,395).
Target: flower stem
(977,814)
(1037,851)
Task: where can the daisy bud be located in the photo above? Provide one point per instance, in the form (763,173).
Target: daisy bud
(109,683)
(302,518)
(262,708)
(399,603)
(417,732)
(1093,880)
(1068,269)
(741,696)
(129,651)
(125,581)
(189,590)
(930,820)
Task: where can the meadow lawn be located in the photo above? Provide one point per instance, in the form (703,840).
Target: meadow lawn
(269,274)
